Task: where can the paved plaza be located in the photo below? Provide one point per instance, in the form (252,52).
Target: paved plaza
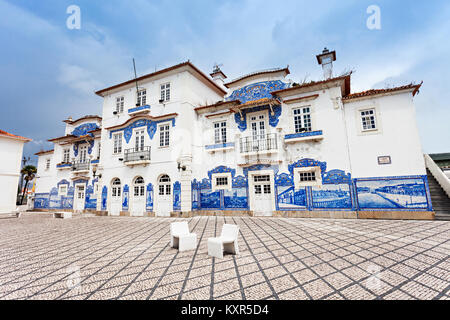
(130,258)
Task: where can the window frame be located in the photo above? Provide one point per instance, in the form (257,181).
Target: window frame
(216,186)
(301,117)
(301,184)
(61,193)
(120,104)
(165,90)
(220,132)
(363,117)
(164,133)
(141,97)
(119,141)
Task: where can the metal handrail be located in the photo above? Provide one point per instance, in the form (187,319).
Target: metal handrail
(137,154)
(80,165)
(256,143)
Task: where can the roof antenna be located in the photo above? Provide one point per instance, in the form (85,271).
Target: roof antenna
(135,77)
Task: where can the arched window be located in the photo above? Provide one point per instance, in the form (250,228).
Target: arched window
(116,188)
(165,188)
(139,187)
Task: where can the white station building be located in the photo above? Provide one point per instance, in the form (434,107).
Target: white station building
(11,149)
(177,141)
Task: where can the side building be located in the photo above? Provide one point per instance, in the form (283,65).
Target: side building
(183,142)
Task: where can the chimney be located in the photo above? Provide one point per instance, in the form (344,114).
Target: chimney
(326,59)
(218,76)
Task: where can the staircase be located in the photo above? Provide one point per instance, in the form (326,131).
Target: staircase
(439,199)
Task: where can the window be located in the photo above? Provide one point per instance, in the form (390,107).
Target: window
(307,176)
(142,97)
(119,104)
(139,142)
(164,135)
(83,154)
(66,157)
(165,187)
(139,187)
(96,188)
(302,120)
(62,190)
(261,178)
(165,92)
(47,164)
(116,188)
(222,181)
(99,149)
(117,143)
(368,120)
(220,132)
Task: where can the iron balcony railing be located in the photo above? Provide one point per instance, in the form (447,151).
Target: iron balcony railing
(140,154)
(80,165)
(256,143)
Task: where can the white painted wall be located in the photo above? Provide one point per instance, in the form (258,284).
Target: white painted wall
(397,137)
(11,155)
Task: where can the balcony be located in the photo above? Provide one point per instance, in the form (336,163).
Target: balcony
(64,166)
(140,156)
(80,166)
(304,136)
(259,144)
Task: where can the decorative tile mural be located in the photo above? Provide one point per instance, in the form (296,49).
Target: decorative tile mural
(394,193)
(274,118)
(84,129)
(149,198)
(290,199)
(104,197)
(126,198)
(152,127)
(332,196)
(176,196)
(256,91)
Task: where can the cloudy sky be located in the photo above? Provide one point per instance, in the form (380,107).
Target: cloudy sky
(50,72)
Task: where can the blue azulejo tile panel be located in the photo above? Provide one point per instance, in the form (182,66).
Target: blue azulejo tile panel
(104,197)
(91,201)
(220,146)
(209,199)
(41,201)
(303,135)
(126,198)
(404,193)
(256,91)
(290,199)
(236,198)
(140,108)
(149,198)
(331,196)
(176,196)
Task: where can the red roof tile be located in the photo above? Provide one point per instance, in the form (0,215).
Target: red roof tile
(10,135)
(373,92)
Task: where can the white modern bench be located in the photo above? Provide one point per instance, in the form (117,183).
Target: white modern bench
(181,238)
(228,242)
(62,215)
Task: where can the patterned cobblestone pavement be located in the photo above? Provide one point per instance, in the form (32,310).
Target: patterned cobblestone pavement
(130,258)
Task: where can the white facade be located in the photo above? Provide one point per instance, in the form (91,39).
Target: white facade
(11,149)
(260,144)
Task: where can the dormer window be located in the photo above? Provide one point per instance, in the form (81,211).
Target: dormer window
(142,97)
(165,92)
(120,101)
